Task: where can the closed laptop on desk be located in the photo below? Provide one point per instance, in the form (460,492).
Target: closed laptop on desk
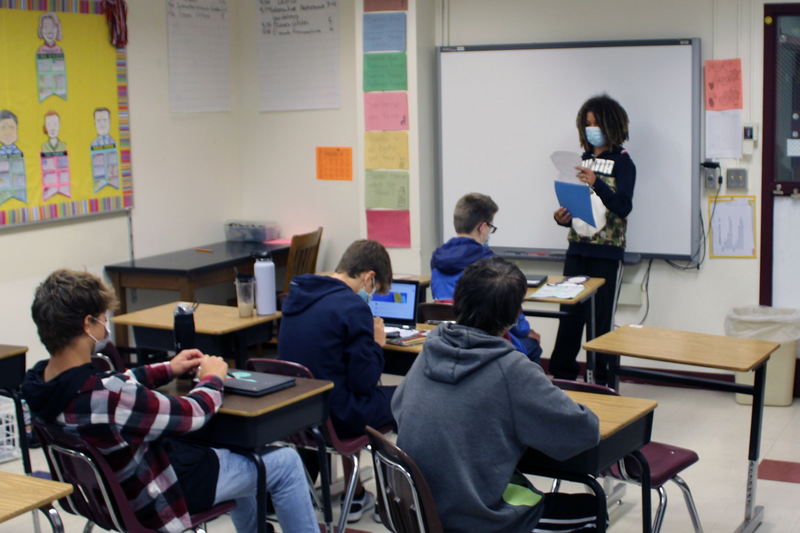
(256,383)
(398,307)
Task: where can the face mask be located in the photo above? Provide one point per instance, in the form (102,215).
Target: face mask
(486,244)
(102,343)
(595,136)
(367,296)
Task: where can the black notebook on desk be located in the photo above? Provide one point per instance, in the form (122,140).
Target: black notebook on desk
(256,383)
(535,280)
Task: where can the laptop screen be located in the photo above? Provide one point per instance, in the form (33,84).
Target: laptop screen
(399,306)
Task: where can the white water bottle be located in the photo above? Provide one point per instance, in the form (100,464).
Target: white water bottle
(264,271)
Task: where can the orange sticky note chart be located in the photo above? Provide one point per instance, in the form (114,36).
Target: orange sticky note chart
(390,227)
(723,84)
(387,150)
(385,5)
(335,163)
(386,111)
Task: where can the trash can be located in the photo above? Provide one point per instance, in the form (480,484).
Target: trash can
(769,324)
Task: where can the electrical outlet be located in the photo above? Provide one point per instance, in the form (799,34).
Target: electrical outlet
(737,178)
(710,175)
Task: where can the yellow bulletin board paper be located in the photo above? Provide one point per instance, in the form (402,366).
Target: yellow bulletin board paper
(386,189)
(386,150)
(71,157)
(732,226)
(334,163)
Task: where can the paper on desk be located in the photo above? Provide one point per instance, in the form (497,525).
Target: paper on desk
(401,332)
(565,291)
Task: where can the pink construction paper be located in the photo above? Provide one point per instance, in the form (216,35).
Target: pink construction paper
(390,227)
(279,241)
(386,111)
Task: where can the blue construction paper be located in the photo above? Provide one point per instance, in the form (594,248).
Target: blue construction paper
(384,32)
(577,199)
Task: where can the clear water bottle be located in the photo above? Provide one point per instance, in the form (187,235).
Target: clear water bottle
(264,271)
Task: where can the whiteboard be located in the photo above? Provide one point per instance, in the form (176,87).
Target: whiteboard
(504,109)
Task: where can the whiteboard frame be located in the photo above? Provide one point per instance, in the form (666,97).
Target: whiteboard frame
(632,255)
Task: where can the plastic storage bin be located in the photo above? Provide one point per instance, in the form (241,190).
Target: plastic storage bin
(769,324)
(249,231)
(9,438)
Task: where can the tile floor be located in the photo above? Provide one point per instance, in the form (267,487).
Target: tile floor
(711,423)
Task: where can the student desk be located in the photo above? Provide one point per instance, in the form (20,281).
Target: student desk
(248,424)
(218,329)
(587,294)
(625,426)
(12,372)
(398,359)
(24,493)
(186,271)
(698,349)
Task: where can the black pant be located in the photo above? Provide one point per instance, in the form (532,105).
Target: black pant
(563,363)
(568,512)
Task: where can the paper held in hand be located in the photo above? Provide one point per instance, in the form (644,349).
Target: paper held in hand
(572,193)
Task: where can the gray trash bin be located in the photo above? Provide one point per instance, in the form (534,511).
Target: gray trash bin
(769,324)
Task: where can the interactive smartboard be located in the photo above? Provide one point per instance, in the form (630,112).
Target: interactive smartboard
(504,109)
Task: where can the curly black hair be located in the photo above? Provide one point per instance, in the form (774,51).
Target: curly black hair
(610,116)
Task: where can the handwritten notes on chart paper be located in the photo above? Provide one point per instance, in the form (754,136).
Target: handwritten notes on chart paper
(732,226)
(387,189)
(386,111)
(386,150)
(199,56)
(723,108)
(298,49)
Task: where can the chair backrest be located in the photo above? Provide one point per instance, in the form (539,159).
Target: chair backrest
(435,311)
(302,256)
(405,501)
(98,495)
(113,356)
(582,386)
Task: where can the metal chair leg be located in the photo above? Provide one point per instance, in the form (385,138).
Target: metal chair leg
(556,485)
(53,517)
(351,490)
(661,510)
(687,495)
(88,527)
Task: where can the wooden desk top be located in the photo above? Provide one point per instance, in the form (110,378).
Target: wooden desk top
(417,348)
(21,494)
(183,262)
(696,349)
(614,412)
(7,350)
(209,319)
(591,287)
(249,406)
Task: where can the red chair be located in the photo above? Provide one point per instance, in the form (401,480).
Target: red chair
(98,495)
(109,358)
(347,448)
(665,461)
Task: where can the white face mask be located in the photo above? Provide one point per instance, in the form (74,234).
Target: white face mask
(101,343)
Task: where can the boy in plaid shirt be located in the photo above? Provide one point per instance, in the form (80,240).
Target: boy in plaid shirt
(165,479)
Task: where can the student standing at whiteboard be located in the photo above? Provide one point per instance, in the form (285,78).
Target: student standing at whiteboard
(596,252)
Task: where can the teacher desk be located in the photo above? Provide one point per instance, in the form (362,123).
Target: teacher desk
(186,271)
(247,424)
(219,330)
(697,349)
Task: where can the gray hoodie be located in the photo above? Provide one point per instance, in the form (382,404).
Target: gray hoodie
(466,412)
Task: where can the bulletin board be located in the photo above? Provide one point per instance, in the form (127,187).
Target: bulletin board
(64,130)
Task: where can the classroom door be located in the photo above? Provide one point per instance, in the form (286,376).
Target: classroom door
(780,186)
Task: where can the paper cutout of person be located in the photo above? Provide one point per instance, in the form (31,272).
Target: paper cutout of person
(50,31)
(102,123)
(52,124)
(8,133)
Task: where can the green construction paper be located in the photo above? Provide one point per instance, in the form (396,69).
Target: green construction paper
(385,72)
(386,189)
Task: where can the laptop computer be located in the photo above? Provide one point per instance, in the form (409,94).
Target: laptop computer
(398,308)
(256,383)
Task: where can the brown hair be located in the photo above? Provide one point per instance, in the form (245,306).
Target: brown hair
(611,118)
(50,113)
(363,256)
(472,210)
(62,302)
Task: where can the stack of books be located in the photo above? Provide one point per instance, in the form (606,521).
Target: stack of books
(417,338)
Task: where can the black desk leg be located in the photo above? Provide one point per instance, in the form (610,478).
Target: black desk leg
(647,508)
(325,478)
(261,493)
(590,334)
(23,437)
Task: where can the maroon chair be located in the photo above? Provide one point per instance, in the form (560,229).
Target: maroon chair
(98,496)
(665,461)
(347,448)
(405,501)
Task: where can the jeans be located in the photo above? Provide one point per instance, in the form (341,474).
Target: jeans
(286,484)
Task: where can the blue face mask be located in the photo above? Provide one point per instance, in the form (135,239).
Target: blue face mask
(595,136)
(367,296)
(486,244)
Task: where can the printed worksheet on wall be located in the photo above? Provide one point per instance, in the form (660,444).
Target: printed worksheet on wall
(298,50)
(199,56)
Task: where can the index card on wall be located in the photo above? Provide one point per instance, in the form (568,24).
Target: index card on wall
(199,56)
(298,51)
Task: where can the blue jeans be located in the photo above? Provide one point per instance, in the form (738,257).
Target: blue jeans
(286,484)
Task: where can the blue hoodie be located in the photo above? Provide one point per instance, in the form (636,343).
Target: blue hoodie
(328,328)
(448,263)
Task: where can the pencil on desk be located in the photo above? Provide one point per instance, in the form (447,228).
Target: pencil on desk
(206,250)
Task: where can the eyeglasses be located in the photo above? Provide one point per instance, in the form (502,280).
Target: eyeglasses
(492,227)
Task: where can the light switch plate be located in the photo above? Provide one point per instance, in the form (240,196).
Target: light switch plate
(737,178)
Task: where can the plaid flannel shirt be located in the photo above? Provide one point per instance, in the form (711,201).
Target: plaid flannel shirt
(124,419)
